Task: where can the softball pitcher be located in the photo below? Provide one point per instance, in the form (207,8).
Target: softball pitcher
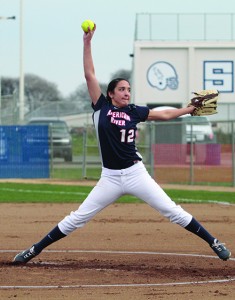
(123,171)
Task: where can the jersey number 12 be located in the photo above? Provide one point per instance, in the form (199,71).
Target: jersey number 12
(127,136)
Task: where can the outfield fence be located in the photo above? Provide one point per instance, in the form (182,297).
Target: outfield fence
(172,152)
(175,156)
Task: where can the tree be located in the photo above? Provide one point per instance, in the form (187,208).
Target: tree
(82,97)
(9,86)
(38,91)
(122,74)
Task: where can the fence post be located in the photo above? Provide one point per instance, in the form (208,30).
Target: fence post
(233,154)
(191,155)
(0,100)
(51,151)
(84,151)
(151,148)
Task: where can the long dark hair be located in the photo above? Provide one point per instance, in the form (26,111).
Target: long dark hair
(112,85)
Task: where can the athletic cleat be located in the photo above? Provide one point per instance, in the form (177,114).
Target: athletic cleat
(25,256)
(220,250)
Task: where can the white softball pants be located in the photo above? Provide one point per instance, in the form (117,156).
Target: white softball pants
(112,185)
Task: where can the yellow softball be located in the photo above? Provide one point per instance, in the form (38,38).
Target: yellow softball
(86,24)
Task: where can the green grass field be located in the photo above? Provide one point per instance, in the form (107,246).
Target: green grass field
(47,193)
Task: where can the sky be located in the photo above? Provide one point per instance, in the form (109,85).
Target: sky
(52,35)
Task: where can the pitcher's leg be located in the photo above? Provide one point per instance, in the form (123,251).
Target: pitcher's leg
(144,187)
(104,193)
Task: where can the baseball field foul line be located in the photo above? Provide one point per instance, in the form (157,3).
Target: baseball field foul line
(119,252)
(113,285)
(185,200)
(41,192)
(117,285)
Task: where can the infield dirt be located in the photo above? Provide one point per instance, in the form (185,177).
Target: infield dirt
(183,266)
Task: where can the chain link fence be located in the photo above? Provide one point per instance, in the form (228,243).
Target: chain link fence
(173,152)
(176,152)
(9,109)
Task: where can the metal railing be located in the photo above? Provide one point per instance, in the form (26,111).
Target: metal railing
(185,26)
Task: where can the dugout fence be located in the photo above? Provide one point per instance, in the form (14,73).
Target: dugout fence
(24,152)
(172,153)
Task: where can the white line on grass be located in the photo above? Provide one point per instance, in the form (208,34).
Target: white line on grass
(42,192)
(204,201)
(82,193)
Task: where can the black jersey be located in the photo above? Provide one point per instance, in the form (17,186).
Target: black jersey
(116,132)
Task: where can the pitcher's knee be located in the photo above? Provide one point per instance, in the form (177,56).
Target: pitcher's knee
(179,216)
(72,222)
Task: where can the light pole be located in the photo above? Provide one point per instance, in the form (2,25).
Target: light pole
(3,18)
(21,81)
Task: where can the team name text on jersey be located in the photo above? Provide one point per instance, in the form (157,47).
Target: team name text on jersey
(117,114)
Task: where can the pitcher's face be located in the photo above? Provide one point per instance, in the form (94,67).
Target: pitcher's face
(121,94)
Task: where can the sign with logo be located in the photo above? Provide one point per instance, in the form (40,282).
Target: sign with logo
(218,75)
(162,75)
